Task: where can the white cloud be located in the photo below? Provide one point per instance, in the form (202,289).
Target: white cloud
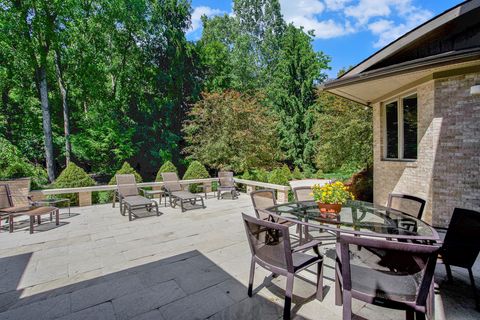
(335,5)
(306,13)
(197,14)
(408,17)
(385,19)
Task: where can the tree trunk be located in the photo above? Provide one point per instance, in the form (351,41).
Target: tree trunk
(64,94)
(47,124)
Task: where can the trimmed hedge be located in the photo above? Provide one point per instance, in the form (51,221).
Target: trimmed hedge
(286,171)
(166,167)
(126,169)
(297,174)
(73,177)
(278,176)
(195,170)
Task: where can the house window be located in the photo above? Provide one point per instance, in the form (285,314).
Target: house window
(400,119)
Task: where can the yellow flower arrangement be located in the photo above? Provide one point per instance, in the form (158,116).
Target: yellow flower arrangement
(332,193)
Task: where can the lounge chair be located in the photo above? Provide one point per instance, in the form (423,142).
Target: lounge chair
(15,201)
(176,194)
(226,184)
(129,197)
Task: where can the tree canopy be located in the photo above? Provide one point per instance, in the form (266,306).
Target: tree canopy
(102,82)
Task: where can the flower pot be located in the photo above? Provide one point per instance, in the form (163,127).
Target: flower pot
(329,207)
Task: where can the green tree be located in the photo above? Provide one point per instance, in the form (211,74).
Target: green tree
(292,93)
(126,169)
(342,133)
(230,130)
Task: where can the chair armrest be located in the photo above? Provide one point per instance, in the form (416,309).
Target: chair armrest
(306,246)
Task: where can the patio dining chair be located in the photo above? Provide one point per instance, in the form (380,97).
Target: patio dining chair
(226,184)
(462,244)
(129,197)
(263,199)
(409,287)
(176,194)
(303,193)
(15,201)
(408,204)
(271,248)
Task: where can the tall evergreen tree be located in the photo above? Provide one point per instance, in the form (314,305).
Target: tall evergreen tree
(292,93)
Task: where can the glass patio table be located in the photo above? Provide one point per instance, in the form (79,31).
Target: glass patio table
(357,217)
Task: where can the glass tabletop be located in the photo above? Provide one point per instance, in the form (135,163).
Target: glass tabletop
(357,217)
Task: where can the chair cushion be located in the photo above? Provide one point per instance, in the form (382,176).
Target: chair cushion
(302,260)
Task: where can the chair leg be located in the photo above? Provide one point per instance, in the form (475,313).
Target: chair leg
(338,287)
(347,305)
(250,280)
(288,297)
(156,208)
(57,217)
(10,223)
(449,272)
(319,294)
(32,220)
(409,315)
(472,282)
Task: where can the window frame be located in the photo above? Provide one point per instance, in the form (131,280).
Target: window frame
(400,127)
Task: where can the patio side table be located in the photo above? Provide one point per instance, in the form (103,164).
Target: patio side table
(151,193)
(50,202)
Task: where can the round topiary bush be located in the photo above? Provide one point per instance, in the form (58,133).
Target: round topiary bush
(287,172)
(278,176)
(126,169)
(106,196)
(166,167)
(14,165)
(195,170)
(297,174)
(73,177)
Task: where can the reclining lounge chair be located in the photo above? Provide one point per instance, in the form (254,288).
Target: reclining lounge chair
(226,184)
(129,197)
(176,194)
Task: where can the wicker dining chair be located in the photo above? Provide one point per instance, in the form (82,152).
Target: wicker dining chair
(409,287)
(271,248)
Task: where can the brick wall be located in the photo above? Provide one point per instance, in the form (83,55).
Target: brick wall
(447,171)
(456,179)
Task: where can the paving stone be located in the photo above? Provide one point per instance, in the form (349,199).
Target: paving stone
(45,309)
(200,305)
(146,300)
(105,291)
(151,315)
(102,311)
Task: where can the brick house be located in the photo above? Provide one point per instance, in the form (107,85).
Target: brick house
(424,91)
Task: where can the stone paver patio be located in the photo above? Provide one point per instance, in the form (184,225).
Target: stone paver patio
(192,265)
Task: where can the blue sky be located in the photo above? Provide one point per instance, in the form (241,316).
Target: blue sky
(346,30)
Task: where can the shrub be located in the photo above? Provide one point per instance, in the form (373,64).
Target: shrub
(286,171)
(106,196)
(260,175)
(126,169)
(278,176)
(195,170)
(73,177)
(166,167)
(297,174)
(14,165)
(362,185)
